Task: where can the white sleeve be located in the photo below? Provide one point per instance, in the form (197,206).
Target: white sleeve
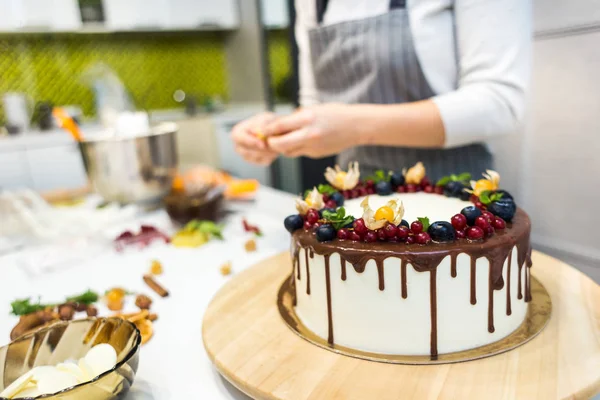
(305,18)
(494,41)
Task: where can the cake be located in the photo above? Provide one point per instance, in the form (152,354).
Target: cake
(393,264)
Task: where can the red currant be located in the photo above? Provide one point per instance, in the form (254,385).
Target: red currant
(317,224)
(473,198)
(360,227)
(355,237)
(312,216)
(460,234)
(402,233)
(410,240)
(499,223)
(416,227)
(307,225)
(479,205)
(488,215)
(343,234)
(331,204)
(381,235)
(370,237)
(482,222)
(423,238)
(346,194)
(355,193)
(370,190)
(401,189)
(363,191)
(439,190)
(410,188)
(459,222)
(394,239)
(370,183)
(475,233)
(390,230)
(428,189)
(489,231)
(425,182)
(326,198)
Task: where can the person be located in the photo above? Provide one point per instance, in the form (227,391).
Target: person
(389,83)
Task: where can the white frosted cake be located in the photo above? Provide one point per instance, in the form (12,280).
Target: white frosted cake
(368,280)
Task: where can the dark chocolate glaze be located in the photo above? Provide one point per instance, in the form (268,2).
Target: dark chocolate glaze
(343,269)
(307,271)
(495,249)
(520,291)
(508,306)
(433,306)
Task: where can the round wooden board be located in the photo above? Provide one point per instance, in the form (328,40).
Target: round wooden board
(255,350)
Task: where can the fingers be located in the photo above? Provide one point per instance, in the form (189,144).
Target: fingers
(292,144)
(264,157)
(289,123)
(244,133)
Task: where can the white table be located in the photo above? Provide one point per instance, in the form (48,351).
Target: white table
(173,365)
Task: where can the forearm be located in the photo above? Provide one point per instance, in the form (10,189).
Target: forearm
(417,124)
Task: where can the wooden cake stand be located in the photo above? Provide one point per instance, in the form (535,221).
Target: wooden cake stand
(254,349)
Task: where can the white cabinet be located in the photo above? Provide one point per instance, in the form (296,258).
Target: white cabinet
(39,15)
(57,167)
(194,14)
(13,171)
(275,13)
(552,15)
(125,15)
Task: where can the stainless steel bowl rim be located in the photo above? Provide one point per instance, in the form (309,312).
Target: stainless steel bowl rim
(157,130)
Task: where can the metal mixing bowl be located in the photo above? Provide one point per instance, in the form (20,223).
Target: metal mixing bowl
(137,169)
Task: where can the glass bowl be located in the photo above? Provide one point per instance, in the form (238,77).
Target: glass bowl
(72,340)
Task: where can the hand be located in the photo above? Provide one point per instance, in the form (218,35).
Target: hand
(252,148)
(315,131)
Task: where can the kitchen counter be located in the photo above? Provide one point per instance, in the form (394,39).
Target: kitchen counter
(173,364)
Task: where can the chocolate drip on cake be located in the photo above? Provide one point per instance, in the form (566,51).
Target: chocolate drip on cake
(433,306)
(297,260)
(508,307)
(473,280)
(496,249)
(453,257)
(329,311)
(403,282)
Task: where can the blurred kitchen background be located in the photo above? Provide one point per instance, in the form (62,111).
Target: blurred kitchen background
(207,65)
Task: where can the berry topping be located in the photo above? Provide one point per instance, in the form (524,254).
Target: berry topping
(385,213)
(370,183)
(489,231)
(459,222)
(410,188)
(354,236)
(293,222)
(325,198)
(401,189)
(381,235)
(371,237)
(383,188)
(355,193)
(423,238)
(471,213)
(402,232)
(480,205)
(461,234)
(317,224)
(363,191)
(428,189)
(331,204)
(505,195)
(390,230)
(360,227)
(464,196)
(370,190)
(410,240)
(499,223)
(325,233)
(504,209)
(416,227)
(438,189)
(307,225)
(425,182)
(454,189)
(396,179)
(343,234)
(442,231)
(404,223)
(475,233)
(312,216)
(488,215)
(482,222)
(347,194)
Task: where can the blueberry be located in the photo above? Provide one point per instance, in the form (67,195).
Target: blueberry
(505,195)
(383,188)
(464,195)
(405,223)
(471,212)
(338,198)
(454,189)
(442,231)
(396,179)
(504,209)
(293,222)
(325,233)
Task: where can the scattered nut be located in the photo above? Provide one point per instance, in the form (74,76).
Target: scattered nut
(66,312)
(250,245)
(156,267)
(226,268)
(81,307)
(143,302)
(91,311)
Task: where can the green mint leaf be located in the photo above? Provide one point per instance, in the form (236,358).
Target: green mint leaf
(444,181)
(88,297)
(306,193)
(210,228)
(454,177)
(341,212)
(379,176)
(326,189)
(425,222)
(484,197)
(24,306)
(496,197)
(464,177)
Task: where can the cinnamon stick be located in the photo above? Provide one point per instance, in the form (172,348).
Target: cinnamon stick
(150,281)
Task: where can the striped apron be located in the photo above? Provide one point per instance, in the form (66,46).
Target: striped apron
(373,60)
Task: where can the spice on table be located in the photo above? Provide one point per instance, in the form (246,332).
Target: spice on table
(143,321)
(115,298)
(66,312)
(152,317)
(251,228)
(143,302)
(250,245)
(91,311)
(156,267)
(158,289)
(146,329)
(30,322)
(226,268)
(115,305)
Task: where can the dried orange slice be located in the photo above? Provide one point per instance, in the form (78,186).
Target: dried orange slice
(237,188)
(146,329)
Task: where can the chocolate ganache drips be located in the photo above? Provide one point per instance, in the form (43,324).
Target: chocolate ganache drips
(497,250)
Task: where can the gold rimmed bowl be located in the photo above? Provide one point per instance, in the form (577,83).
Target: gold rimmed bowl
(72,340)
